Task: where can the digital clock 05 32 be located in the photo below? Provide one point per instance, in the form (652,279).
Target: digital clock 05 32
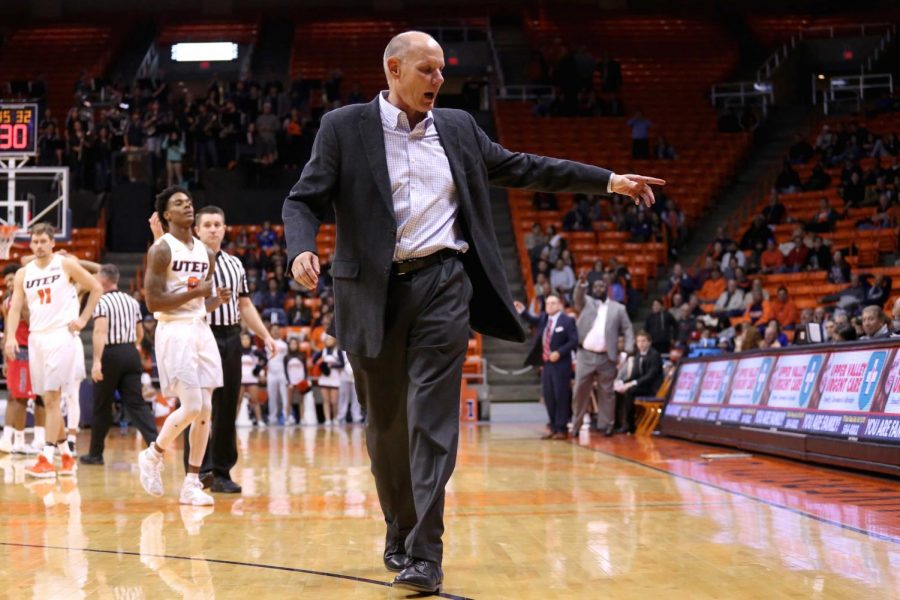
(18,129)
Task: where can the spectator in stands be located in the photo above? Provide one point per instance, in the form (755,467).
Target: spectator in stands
(748,340)
(800,336)
(756,236)
(134,145)
(771,260)
(800,151)
(266,238)
(845,333)
(544,201)
(173,145)
(825,140)
(535,239)
(267,127)
(775,212)
(685,324)
(611,70)
(879,292)
(819,258)
(596,272)
(640,135)
(853,192)
(797,257)
(731,302)
(562,279)
(680,281)
(819,179)
(616,287)
(756,305)
(886,146)
(102,152)
(824,219)
(578,218)
(665,150)
(849,298)
(781,309)
(675,223)
(773,337)
(874,324)
(840,268)
(542,269)
(743,282)
(788,181)
(713,287)
(661,326)
(642,229)
(735,254)
(895,317)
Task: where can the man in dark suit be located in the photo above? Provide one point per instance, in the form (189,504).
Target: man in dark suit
(416,264)
(645,379)
(555,338)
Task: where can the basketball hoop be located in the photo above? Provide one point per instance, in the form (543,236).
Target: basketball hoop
(7,239)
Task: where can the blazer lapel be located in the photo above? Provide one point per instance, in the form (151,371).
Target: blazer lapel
(372,134)
(449,135)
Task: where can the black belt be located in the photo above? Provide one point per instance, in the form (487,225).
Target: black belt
(408,267)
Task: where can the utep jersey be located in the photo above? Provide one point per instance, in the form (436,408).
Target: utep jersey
(188,267)
(51,296)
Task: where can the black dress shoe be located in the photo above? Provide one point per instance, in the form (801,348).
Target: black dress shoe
(395,559)
(608,431)
(622,430)
(225,486)
(207,479)
(90,459)
(421,576)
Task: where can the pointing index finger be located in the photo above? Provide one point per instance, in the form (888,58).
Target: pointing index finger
(649,180)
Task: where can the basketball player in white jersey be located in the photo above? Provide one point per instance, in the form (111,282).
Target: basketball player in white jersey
(47,284)
(178,280)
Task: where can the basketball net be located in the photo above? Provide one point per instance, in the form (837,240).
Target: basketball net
(7,239)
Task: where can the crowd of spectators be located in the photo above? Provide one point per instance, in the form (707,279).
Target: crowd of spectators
(158,132)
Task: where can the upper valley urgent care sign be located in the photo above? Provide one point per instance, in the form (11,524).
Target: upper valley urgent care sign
(850,380)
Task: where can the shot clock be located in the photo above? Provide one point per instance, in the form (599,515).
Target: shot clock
(18,129)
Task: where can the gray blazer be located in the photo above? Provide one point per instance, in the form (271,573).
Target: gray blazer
(348,172)
(617,322)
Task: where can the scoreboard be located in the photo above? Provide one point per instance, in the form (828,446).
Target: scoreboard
(18,129)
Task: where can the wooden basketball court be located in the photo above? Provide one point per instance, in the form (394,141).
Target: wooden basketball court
(602,518)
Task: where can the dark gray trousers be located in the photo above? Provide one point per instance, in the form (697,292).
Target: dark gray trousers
(411,394)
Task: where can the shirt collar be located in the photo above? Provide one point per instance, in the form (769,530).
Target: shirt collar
(395,119)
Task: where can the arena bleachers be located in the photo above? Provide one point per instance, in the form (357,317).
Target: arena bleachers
(667,68)
(60,53)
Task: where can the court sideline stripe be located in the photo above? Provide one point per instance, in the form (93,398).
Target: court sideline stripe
(878,536)
(221,561)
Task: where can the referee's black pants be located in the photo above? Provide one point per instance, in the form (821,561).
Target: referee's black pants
(121,366)
(221,452)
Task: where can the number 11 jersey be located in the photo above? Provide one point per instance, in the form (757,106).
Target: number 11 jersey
(51,296)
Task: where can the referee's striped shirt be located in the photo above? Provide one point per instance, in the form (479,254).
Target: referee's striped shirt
(229,274)
(123,313)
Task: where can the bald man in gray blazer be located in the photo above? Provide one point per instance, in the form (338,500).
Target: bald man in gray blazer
(601,321)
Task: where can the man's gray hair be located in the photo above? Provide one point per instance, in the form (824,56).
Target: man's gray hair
(110,272)
(876,310)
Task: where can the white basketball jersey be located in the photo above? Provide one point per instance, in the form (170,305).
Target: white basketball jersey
(51,296)
(188,267)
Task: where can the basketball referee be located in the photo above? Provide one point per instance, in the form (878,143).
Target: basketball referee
(227,308)
(117,364)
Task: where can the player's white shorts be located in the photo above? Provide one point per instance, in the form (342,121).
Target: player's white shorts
(80,373)
(186,351)
(53,359)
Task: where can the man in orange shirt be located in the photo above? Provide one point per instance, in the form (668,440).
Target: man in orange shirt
(712,288)
(781,309)
(771,260)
